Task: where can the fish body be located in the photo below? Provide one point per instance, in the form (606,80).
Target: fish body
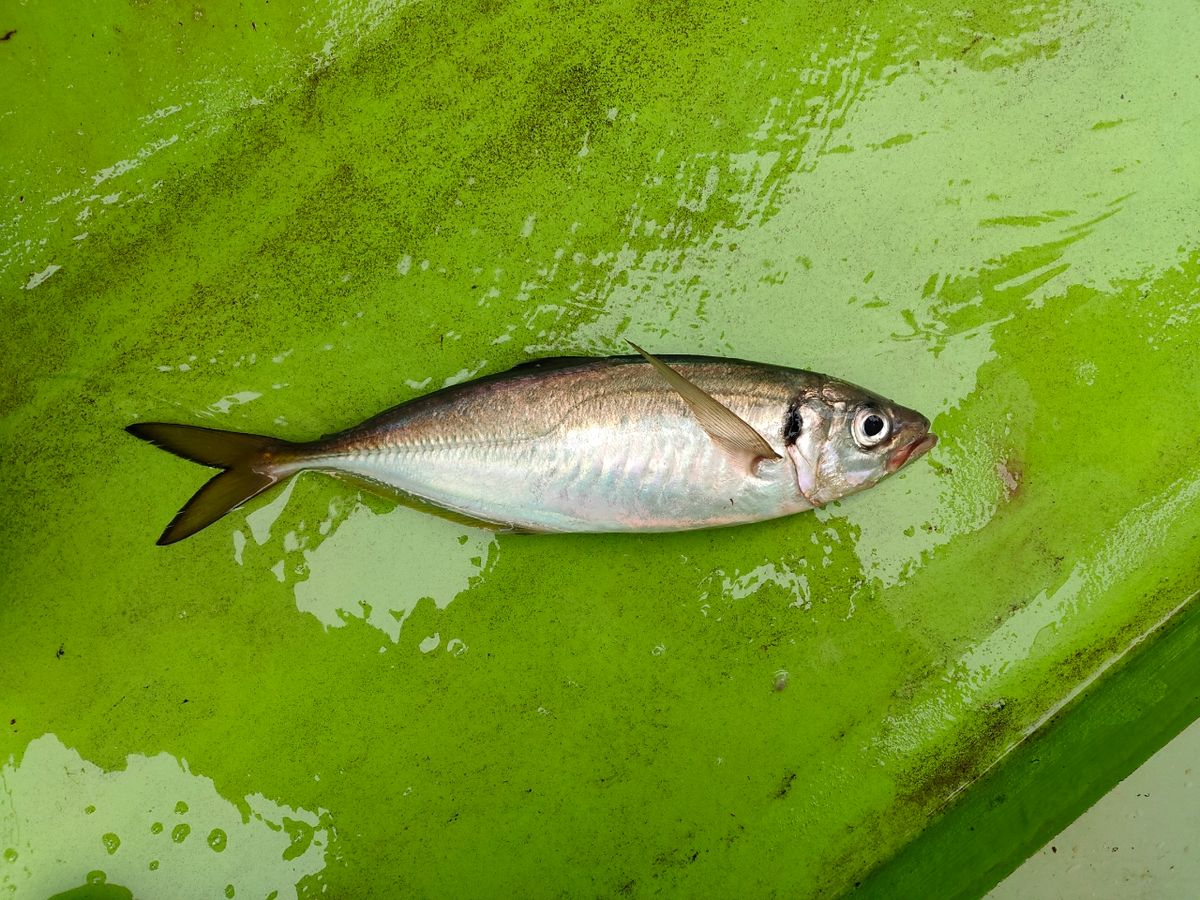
(631,443)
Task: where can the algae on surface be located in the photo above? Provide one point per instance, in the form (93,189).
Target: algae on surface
(283,221)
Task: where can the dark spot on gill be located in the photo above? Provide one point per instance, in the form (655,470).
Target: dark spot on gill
(791,423)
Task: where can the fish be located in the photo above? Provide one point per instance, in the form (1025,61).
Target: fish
(635,443)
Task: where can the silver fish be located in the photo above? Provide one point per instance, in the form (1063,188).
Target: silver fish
(627,443)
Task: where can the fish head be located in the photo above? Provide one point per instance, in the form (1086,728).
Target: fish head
(849,439)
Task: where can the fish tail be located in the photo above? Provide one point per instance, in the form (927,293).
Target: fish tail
(252,464)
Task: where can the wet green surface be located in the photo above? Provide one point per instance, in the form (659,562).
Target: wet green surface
(285,220)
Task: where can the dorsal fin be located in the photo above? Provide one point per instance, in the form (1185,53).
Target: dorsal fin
(728,430)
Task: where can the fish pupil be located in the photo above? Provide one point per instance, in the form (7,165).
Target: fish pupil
(872,426)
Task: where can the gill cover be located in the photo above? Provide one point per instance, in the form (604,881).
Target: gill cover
(807,450)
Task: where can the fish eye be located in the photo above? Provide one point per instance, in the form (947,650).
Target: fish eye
(871,427)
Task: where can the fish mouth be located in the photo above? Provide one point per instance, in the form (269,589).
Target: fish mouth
(911,451)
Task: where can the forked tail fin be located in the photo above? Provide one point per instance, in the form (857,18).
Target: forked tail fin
(252,464)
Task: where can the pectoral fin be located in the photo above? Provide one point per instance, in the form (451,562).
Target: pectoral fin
(728,430)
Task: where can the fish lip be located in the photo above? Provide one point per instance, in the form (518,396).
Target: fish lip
(910,451)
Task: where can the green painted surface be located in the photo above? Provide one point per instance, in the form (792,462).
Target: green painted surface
(285,220)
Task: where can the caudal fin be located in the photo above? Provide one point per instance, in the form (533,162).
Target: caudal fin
(252,464)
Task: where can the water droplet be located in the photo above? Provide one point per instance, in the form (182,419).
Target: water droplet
(180,832)
(180,808)
(217,840)
(229,890)
(154,865)
(96,877)
(430,643)
(10,855)
(111,843)
(156,828)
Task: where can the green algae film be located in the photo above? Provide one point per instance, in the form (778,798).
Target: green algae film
(283,224)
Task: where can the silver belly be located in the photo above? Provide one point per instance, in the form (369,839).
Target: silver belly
(649,475)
